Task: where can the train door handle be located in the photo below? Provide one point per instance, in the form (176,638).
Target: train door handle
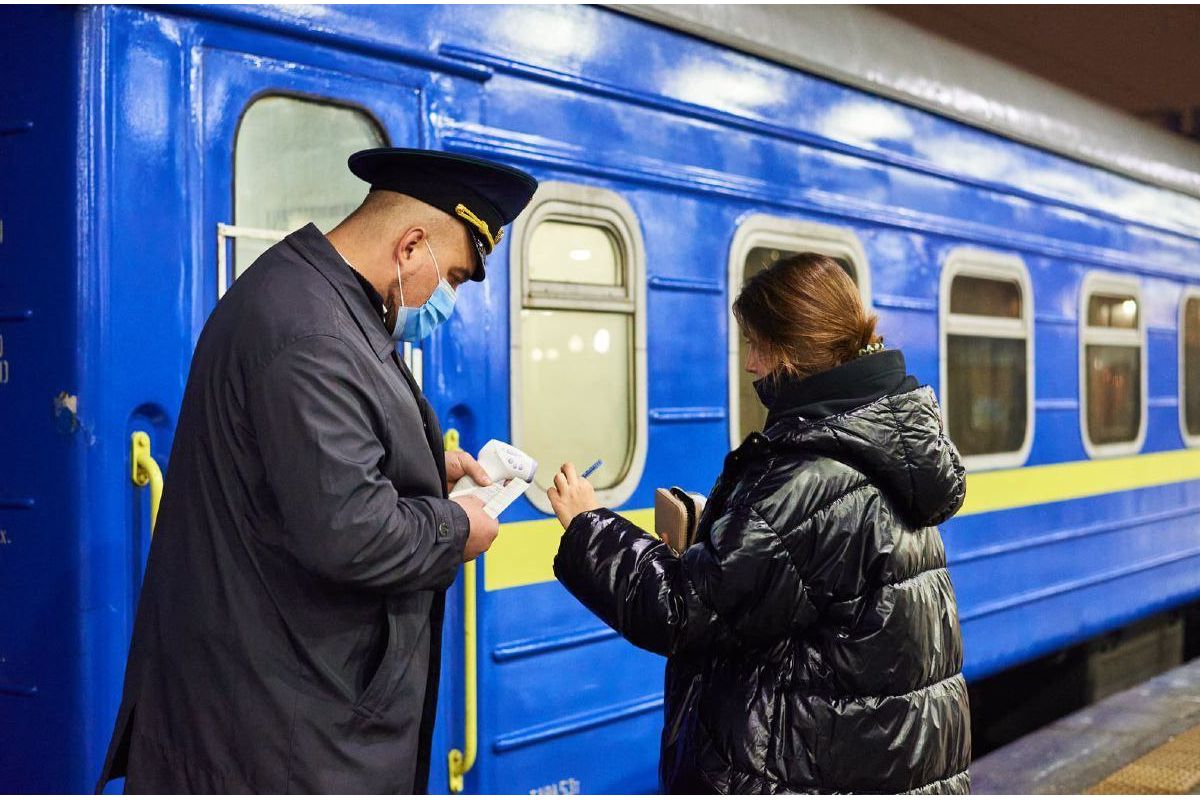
(461,761)
(145,471)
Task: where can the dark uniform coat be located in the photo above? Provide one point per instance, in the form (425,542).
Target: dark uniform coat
(811,632)
(288,631)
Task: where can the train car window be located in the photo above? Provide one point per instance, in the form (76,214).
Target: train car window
(760,241)
(1112,367)
(987,357)
(578,338)
(985,297)
(1107,311)
(567,252)
(289,165)
(760,258)
(1189,366)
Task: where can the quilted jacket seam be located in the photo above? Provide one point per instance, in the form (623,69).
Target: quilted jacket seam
(851,598)
(917,576)
(809,517)
(789,558)
(907,457)
(935,782)
(927,688)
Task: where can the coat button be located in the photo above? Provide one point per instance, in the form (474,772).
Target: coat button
(444,529)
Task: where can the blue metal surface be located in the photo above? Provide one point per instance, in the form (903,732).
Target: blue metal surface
(43,547)
(120,149)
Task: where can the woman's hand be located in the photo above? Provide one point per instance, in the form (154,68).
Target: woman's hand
(571,495)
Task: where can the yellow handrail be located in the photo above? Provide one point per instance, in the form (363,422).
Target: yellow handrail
(145,471)
(460,762)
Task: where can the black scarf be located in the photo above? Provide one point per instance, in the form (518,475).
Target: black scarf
(857,382)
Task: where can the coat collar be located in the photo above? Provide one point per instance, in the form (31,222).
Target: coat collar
(316,250)
(857,382)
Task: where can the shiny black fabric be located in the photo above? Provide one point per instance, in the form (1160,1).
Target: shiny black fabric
(811,632)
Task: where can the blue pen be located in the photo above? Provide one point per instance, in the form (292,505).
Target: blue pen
(592,468)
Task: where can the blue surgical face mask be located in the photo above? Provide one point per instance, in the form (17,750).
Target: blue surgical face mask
(414,324)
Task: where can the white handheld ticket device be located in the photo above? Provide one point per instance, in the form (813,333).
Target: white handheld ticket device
(511,471)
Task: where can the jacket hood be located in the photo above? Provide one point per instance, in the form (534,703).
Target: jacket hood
(899,443)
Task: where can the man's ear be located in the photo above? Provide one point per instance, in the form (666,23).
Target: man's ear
(409,241)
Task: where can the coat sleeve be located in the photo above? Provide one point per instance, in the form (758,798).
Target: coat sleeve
(738,589)
(342,519)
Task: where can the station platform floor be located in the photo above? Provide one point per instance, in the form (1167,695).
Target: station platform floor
(1145,740)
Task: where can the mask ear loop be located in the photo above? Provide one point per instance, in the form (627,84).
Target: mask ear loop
(400,283)
(437,267)
(449,289)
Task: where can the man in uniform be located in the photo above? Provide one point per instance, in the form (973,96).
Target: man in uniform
(289,627)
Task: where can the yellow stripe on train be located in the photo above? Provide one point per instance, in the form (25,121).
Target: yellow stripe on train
(1050,483)
(524,552)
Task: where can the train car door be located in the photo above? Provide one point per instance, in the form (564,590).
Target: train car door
(210,142)
(273,136)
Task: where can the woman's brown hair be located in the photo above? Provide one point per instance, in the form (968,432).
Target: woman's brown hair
(804,315)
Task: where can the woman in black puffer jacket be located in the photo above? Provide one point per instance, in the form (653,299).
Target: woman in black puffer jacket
(811,631)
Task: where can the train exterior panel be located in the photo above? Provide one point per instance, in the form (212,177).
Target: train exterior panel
(123,223)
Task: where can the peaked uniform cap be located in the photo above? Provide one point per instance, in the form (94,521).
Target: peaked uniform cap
(483,195)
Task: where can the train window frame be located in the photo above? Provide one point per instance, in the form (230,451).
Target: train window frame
(229,232)
(783,233)
(557,201)
(1102,282)
(990,265)
(1188,293)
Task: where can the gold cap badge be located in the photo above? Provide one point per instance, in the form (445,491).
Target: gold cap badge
(480,226)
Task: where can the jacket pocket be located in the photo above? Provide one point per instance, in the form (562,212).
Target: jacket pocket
(376,688)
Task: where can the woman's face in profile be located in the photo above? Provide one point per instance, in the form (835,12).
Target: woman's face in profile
(755,363)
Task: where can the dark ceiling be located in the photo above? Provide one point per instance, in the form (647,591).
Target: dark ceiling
(1142,59)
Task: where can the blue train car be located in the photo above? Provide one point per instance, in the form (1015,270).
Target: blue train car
(1040,269)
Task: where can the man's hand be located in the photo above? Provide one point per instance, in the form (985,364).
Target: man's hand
(460,463)
(483,528)
(571,495)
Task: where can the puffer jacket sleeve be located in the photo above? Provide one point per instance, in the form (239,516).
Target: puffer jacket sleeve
(738,589)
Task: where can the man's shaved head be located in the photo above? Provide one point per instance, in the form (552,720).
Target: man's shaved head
(388,214)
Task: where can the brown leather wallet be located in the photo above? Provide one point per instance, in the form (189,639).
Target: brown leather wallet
(675,517)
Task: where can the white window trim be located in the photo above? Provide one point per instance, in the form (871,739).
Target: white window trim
(590,205)
(1098,282)
(781,233)
(1188,293)
(977,263)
